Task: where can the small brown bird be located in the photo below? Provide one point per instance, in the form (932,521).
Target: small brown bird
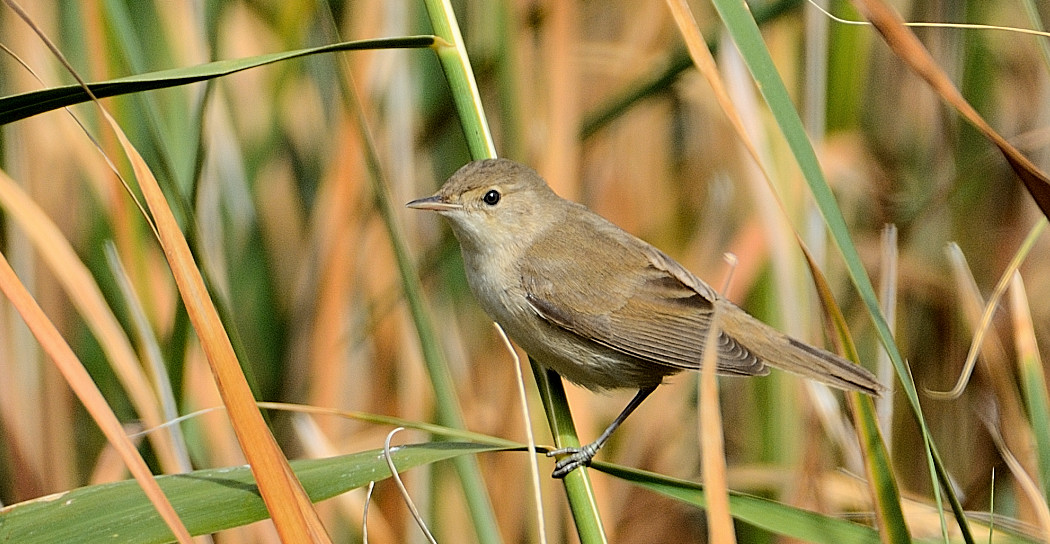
(600,307)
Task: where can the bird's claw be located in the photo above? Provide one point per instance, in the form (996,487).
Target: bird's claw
(573,459)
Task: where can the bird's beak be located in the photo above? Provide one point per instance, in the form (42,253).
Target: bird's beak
(432,203)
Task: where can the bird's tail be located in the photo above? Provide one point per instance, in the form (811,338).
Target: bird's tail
(779,350)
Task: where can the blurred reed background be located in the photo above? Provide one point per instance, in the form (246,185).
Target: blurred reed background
(271,183)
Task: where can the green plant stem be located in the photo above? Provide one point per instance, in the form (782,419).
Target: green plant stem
(456,65)
(452,54)
(577,484)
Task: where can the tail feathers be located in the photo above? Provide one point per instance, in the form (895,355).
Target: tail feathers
(831,369)
(785,353)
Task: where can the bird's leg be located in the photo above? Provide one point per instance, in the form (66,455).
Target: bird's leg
(578,457)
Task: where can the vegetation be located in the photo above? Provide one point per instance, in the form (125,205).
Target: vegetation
(276,179)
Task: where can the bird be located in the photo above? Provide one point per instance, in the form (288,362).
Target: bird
(598,305)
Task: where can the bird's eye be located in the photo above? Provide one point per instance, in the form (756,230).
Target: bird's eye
(491,198)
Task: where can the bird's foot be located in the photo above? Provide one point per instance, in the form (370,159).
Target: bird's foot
(573,459)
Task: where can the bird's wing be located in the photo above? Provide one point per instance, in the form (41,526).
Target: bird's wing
(638,302)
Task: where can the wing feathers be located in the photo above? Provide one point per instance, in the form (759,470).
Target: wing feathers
(647,306)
